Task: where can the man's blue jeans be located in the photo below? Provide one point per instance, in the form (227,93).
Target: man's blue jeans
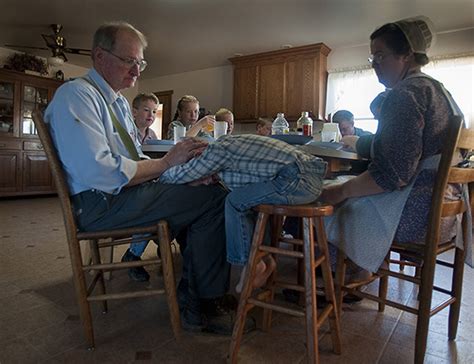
(294,185)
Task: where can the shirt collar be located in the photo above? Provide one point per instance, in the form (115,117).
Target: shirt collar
(109,94)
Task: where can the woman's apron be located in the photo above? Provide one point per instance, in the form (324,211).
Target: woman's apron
(364,227)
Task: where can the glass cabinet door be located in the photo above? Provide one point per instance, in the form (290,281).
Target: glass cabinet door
(7,92)
(34,98)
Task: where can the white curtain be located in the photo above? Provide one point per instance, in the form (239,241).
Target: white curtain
(354,89)
(457,75)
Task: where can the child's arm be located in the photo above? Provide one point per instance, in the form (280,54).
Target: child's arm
(211,161)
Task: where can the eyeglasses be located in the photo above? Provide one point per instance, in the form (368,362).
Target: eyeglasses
(130,61)
(378,58)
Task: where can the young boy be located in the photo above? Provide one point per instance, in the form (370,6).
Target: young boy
(257,170)
(264,127)
(144,109)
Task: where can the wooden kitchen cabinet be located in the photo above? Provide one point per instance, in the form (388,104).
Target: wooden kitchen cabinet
(288,80)
(24,169)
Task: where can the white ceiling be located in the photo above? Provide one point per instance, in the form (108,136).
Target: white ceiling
(187,35)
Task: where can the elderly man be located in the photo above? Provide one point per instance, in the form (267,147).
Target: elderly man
(112,186)
(345,119)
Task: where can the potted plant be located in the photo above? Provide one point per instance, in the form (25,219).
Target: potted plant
(22,62)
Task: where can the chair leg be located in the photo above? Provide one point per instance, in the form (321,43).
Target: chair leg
(334,318)
(423,322)
(109,254)
(81,293)
(456,286)
(95,256)
(310,293)
(242,310)
(169,279)
(340,279)
(383,285)
(277,227)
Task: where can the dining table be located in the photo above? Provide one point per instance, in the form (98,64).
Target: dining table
(339,159)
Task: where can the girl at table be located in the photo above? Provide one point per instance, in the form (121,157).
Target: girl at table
(187,113)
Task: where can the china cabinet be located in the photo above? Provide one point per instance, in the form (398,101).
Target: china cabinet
(288,80)
(24,169)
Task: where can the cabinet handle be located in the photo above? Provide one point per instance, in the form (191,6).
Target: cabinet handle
(39,147)
(2,145)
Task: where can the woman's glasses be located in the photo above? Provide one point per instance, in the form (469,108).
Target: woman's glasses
(378,57)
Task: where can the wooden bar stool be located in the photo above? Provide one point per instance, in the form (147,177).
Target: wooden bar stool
(311,215)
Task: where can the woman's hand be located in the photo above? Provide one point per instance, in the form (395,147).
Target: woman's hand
(184,150)
(333,195)
(208,180)
(350,141)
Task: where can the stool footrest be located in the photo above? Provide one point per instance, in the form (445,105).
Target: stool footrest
(288,253)
(291,241)
(322,316)
(116,296)
(289,285)
(278,308)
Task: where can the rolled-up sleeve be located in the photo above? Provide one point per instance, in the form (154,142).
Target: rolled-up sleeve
(398,146)
(86,142)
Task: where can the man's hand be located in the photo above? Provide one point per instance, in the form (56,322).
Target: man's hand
(184,150)
(350,141)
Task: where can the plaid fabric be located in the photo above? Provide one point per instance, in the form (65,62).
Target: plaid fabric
(238,160)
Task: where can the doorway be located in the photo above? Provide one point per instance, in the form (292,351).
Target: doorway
(160,127)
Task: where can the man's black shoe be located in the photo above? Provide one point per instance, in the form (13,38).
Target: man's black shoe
(220,321)
(138,274)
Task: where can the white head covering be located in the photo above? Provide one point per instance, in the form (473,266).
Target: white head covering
(419,33)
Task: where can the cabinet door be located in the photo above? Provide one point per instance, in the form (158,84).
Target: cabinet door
(33,98)
(10,165)
(9,90)
(271,90)
(245,93)
(36,173)
(301,87)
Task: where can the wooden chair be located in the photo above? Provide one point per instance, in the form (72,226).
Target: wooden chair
(312,217)
(458,139)
(94,290)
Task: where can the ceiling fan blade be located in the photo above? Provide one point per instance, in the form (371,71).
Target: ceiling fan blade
(79,51)
(22,46)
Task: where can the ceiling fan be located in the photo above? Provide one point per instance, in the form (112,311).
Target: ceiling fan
(56,43)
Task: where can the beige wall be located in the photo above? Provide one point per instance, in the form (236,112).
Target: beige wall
(211,86)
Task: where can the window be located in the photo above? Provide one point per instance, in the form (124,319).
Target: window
(354,89)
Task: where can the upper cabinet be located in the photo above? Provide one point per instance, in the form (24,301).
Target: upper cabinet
(24,168)
(289,81)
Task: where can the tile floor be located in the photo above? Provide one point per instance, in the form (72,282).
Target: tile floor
(39,319)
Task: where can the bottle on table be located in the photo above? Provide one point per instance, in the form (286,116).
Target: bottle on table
(280,125)
(305,124)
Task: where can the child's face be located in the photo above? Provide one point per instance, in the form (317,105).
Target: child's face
(189,113)
(265,130)
(145,114)
(230,121)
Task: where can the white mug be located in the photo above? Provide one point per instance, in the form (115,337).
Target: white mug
(179,133)
(220,129)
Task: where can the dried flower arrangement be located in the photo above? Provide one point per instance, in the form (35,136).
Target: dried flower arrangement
(24,61)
